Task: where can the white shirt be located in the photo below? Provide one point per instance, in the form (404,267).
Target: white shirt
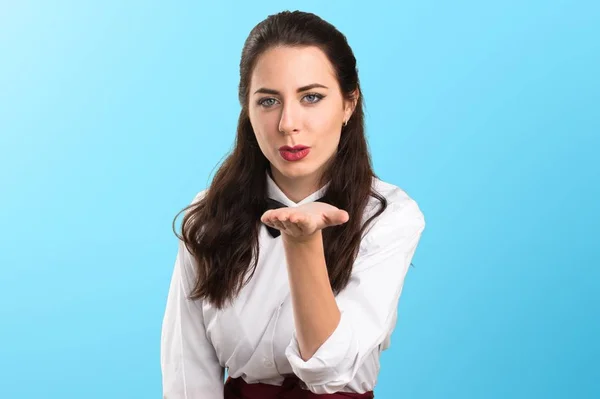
(255,337)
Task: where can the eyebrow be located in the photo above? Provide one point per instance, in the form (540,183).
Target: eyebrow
(300,89)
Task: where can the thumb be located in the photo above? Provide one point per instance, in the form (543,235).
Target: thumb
(337,217)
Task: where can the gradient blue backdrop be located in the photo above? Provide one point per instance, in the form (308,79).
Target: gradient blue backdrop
(114,114)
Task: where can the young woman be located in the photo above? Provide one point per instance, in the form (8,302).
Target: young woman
(291,263)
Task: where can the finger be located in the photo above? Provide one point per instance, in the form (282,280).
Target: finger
(302,221)
(278,224)
(270,223)
(293,228)
(337,218)
(298,218)
(271,215)
(266,217)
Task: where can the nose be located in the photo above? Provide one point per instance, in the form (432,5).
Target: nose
(290,119)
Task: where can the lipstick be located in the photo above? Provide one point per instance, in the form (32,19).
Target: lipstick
(294,153)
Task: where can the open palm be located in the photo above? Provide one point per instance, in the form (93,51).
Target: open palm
(304,220)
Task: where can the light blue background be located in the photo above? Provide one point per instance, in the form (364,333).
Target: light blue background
(114,114)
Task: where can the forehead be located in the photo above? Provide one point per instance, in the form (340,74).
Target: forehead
(291,67)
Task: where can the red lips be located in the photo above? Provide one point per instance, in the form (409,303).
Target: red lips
(294,153)
(298,147)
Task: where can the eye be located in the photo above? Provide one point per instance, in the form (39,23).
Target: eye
(267,102)
(313,98)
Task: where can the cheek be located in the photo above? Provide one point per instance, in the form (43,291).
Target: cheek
(327,122)
(264,130)
(329,114)
(257,123)
(265,134)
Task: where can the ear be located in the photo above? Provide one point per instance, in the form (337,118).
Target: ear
(350,104)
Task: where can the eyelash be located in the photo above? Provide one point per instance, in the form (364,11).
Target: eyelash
(318,97)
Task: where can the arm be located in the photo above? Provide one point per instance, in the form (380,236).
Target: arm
(189,364)
(316,313)
(367,306)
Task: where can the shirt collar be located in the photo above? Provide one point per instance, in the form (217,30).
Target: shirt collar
(274,192)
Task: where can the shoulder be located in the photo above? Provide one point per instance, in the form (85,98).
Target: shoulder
(185,260)
(402,216)
(197,198)
(400,205)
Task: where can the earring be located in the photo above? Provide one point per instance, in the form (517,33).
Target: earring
(345,123)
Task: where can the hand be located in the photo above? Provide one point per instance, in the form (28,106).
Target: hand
(305,220)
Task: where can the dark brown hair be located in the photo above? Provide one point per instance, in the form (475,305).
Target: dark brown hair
(220,230)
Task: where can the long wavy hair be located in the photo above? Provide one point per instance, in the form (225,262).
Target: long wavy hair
(220,230)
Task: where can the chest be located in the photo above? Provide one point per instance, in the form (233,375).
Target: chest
(258,325)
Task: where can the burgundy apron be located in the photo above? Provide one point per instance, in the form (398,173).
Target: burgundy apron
(237,388)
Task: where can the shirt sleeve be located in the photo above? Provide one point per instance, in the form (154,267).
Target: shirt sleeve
(189,364)
(368,304)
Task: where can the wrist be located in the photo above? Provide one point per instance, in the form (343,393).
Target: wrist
(302,240)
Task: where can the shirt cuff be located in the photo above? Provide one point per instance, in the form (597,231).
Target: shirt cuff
(330,368)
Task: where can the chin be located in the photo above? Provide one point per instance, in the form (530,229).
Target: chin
(293,171)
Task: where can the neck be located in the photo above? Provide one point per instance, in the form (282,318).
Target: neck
(298,188)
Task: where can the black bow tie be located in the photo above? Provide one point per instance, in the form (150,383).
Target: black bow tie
(274,204)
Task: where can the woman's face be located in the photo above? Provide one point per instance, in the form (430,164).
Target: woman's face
(295,100)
